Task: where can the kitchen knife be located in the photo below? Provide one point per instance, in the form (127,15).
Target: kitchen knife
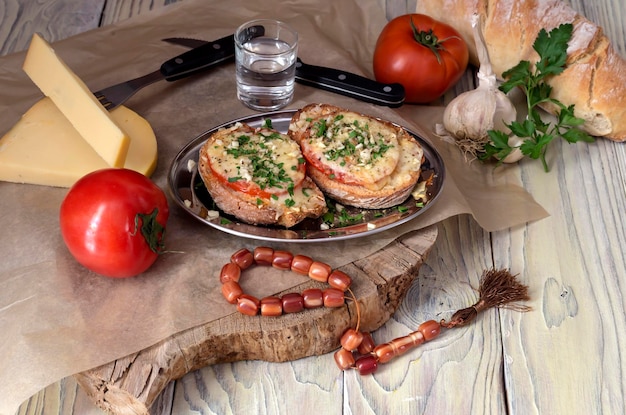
(201,58)
(333,80)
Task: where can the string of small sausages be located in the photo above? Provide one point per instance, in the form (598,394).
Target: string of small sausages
(498,288)
(273,306)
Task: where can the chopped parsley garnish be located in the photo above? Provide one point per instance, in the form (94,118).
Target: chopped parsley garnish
(320,128)
(339,215)
(261,166)
(348,141)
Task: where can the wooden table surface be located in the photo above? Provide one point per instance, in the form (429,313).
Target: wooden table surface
(567,356)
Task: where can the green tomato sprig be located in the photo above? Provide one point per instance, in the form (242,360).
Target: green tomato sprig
(536,133)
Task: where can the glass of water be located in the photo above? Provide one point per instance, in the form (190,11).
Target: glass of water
(265,58)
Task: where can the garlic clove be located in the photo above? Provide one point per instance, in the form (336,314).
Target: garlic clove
(515,155)
(505,112)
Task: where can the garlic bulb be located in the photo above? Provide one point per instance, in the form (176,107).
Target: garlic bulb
(471,114)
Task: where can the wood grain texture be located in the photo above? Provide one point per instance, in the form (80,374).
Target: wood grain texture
(564,357)
(567,355)
(119,10)
(55,20)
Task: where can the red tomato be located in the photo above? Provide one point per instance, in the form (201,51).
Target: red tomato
(113,222)
(426,56)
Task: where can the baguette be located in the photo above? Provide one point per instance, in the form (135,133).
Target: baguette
(594,80)
(381,168)
(258,176)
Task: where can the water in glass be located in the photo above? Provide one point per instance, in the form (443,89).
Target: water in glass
(265,73)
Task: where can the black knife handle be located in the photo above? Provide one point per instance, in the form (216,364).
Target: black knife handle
(349,84)
(199,59)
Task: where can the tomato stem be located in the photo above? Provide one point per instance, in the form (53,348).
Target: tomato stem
(427,39)
(152,231)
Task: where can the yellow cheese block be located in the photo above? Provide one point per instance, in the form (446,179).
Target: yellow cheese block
(44,148)
(70,94)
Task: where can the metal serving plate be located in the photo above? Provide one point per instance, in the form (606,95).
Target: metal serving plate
(188,191)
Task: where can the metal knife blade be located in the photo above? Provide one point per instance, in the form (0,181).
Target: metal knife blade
(199,59)
(332,80)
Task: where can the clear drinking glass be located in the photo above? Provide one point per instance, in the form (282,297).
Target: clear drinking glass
(265,57)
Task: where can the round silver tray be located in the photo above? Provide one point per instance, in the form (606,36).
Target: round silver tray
(188,191)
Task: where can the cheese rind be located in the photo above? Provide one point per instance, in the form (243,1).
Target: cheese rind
(44,148)
(70,94)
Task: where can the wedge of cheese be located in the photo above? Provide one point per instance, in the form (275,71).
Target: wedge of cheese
(44,147)
(70,94)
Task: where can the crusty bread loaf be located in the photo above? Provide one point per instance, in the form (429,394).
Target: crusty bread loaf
(380,172)
(258,176)
(594,80)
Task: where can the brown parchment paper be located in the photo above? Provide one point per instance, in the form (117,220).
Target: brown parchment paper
(57,318)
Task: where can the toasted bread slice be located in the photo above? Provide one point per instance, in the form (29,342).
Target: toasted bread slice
(356,159)
(258,176)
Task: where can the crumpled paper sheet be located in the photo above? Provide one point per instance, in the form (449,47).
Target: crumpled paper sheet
(57,318)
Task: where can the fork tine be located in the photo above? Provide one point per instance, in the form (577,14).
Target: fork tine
(113,96)
(103,99)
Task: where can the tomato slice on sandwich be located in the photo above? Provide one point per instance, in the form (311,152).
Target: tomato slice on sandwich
(261,163)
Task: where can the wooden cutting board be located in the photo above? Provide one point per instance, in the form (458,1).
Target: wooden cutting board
(380,281)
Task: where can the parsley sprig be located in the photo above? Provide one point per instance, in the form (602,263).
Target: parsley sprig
(534,131)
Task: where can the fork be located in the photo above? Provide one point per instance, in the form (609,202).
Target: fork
(114,96)
(196,60)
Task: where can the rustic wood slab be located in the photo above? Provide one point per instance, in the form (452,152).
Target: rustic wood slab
(380,281)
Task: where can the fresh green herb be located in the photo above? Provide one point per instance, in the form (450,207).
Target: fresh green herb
(259,201)
(536,133)
(338,215)
(290,202)
(352,142)
(329,217)
(265,171)
(224,221)
(267,123)
(402,209)
(305,191)
(346,218)
(320,127)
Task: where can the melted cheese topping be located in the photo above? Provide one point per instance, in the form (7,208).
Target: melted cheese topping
(302,199)
(357,149)
(263,159)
